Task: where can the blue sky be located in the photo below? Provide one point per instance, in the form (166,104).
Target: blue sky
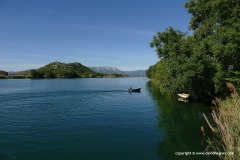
(112,33)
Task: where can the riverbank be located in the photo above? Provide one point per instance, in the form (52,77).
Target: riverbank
(226,118)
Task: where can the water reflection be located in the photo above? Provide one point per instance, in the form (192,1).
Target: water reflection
(180,123)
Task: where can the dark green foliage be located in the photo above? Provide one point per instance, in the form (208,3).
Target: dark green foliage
(183,67)
(216,24)
(49,74)
(36,73)
(116,75)
(168,42)
(200,63)
(151,71)
(3,77)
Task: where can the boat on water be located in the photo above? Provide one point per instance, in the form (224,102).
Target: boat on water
(134,89)
(184,95)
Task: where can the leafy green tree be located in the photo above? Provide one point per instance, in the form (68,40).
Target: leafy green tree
(216,24)
(183,65)
(151,71)
(200,63)
(168,42)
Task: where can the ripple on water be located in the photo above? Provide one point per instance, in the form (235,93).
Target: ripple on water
(87,119)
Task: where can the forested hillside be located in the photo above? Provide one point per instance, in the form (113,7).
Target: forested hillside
(62,70)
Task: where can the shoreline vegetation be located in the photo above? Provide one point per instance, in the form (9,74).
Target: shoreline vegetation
(202,63)
(13,76)
(225,128)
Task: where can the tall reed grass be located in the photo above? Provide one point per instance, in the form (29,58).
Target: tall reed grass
(226,129)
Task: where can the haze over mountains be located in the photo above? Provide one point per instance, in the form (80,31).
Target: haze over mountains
(111,70)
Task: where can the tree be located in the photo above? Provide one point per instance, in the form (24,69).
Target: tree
(183,66)
(200,63)
(216,24)
(167,42)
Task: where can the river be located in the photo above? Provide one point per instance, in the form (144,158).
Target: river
(96,119)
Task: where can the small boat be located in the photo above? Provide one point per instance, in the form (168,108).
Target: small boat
(134,89)
(183,95)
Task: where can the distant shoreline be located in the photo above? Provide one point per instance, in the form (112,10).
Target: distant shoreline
(22,77)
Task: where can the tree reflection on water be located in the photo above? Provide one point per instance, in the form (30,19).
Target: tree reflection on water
(180,123)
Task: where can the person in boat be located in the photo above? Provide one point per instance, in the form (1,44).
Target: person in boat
(130,89)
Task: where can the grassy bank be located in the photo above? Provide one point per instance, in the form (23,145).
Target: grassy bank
(227,131)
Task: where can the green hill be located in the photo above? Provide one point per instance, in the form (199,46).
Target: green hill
(63,70)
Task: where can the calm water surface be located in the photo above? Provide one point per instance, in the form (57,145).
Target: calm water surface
(95,119)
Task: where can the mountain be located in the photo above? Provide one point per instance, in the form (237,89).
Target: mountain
(62,70)
(137,73)
(111,70)
(106,70)
(18,72)
(13,72)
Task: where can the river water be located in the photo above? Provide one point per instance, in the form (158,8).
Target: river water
(96,119)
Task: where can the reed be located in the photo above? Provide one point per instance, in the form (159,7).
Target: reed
(226,117)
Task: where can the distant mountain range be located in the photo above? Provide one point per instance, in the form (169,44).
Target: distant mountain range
(72,70)
(111,70)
